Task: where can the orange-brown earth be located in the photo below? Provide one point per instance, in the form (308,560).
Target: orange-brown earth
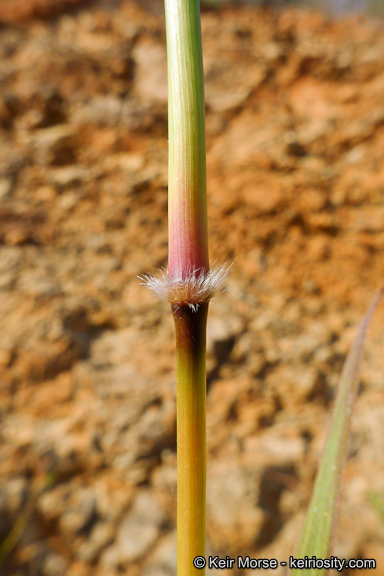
(295,148)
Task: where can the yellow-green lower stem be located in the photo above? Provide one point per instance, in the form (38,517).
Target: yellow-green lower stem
(191,443)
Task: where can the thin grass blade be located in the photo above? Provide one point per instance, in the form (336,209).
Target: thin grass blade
(316,536)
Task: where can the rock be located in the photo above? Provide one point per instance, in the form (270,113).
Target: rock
(51,503)
(5,187)
(296,383)
(151,71)
(234,519)
(35,554)
(10,260)
(53,145)
(80,512)
(75,510)
(100,537)
(301,348)
(36,284)
(138,532)
(221,337)
(98,109)
(163,561)
(43,108)
(113,111)
(69,175)
(276,446)
(227,86)
(13,497)
(54,565)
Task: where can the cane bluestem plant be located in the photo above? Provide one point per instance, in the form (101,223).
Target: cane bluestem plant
(189,284)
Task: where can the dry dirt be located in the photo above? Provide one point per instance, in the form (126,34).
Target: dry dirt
(295,148)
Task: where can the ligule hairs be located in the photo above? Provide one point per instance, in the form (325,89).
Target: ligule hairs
(193,290)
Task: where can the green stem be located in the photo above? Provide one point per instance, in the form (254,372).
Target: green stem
(188,261)
(191,443)
(187,194)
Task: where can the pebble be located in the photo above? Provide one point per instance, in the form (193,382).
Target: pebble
(151,71)
(138,531)
(222,334)
(52,145)
(233,516)
(100,537)
(5,187)
(54,565)
(163,561)
(79,511)
(13,497)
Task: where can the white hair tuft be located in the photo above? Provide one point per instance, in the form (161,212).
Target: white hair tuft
(193,290)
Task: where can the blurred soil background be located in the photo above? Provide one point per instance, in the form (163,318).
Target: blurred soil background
(295,145)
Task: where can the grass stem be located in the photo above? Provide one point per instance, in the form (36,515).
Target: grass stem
(187,194)
(191,443)
(189,284)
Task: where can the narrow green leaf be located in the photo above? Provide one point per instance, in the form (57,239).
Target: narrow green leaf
(315,538)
